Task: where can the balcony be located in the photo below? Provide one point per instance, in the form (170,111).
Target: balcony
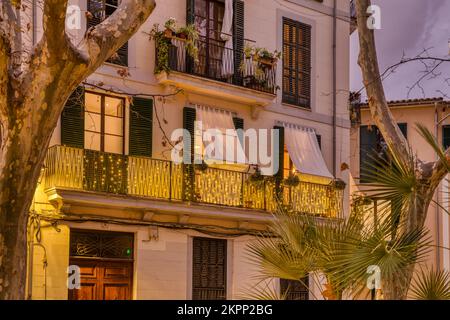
(87,170)
(247,81)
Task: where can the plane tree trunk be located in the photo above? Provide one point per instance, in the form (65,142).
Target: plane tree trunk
(33,91)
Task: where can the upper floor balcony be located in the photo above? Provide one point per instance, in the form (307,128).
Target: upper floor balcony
(203,62)
(142,177)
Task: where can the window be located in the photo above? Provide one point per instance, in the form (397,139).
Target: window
(100,10)
(296,63)
(295,290)
(446,136)
(103,123)
(209,269)
(372,145)
(288,165)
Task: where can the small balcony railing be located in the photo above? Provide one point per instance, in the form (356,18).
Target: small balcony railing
(89,170)
(217,62)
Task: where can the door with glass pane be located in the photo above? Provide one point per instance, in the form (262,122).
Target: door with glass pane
(208,20)
(104,162)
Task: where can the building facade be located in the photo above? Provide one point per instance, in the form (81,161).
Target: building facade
(112,202)
(365,138)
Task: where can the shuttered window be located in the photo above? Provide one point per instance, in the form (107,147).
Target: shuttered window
(72,120)
(209,269)
(141,127)
(189,115)
(372,146)
(446,137)
(239,124)
(295,290)
(296,63)
(238,39)
(99,11)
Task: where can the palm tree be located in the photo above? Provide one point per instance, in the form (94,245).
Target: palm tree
(342,250)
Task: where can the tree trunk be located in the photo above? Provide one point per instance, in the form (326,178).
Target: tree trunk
(33,90)
(20,166)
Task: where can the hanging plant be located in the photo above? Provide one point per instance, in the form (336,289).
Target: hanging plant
(201,166)
(338,184)
(292,180)
(163,40)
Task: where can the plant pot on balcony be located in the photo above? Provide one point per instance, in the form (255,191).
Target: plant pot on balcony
(265,62)
(182,35)
(292,181)
(169,33)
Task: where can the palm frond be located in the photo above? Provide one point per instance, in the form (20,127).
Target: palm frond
(432,141)
(431,285)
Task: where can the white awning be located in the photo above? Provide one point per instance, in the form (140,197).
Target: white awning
(216,137)
(304,150)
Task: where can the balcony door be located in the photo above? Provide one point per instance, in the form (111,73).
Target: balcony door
(104,123)
(105,165)
(208,21)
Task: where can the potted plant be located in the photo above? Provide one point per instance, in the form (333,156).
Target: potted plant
(265,57)
(164,42)
(170,26)
(338,184)
(292,180)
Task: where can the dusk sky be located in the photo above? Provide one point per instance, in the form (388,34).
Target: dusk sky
(408,26)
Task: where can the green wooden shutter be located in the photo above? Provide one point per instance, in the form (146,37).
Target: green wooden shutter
(190,19)
(404,129)
(238,39)
(239,124)
(279,174)
(190,11)
(319,140)
(72,120)
(367,148)
(446,136)
(189,115)
(141,127)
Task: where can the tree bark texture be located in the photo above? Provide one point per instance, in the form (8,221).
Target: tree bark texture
(32,96)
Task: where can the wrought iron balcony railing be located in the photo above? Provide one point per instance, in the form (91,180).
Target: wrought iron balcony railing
(217,62)
(88,170)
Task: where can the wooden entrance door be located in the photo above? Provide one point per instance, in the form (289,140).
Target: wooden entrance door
(103,280)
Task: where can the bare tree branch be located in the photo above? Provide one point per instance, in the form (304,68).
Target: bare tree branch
(379,108)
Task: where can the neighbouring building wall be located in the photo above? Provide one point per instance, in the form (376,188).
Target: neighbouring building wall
(437,221)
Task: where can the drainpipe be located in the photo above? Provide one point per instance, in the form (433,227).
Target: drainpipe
(30,263)
(334,84)
(438,232)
